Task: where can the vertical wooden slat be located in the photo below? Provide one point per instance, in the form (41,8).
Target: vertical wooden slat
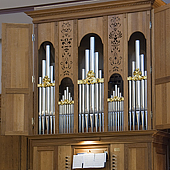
(56,45)
(36,79)
(125,72)
(105,59)
(75,76)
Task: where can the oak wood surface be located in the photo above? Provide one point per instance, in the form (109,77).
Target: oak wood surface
(85,11)
(16,79)
(162,71)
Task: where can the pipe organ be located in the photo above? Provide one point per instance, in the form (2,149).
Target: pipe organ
(91,96)
(95,89)
(138,92)
(47,97)
(116,111)
(66,113)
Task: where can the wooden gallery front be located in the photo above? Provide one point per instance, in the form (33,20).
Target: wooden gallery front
(87,87)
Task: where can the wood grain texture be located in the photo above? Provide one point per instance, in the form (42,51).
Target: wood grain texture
(162,106)
(90,25)
(105,64)
(17,85)
(75,75)
(118,151)
(134,150)
(90,10)
(65,50)
(125,72)
(10,152)
(44,158)
(137,156)
(159,153)
(46,33)
(64,155)
(115,45)
(162,71)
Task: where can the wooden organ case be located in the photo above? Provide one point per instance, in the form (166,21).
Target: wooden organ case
(92,63)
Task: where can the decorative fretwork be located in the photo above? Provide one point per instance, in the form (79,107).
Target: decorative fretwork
(115,35)
(66,48)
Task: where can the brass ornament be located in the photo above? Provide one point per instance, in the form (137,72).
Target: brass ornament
(66,102)
(137,76)
(90,79)
(115,99)
(46,83)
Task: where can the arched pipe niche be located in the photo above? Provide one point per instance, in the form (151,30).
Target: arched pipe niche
(91,84)
(137,82)
(46,89)
(115,103)
(66,106)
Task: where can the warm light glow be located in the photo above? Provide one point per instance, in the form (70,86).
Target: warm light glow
(89,142)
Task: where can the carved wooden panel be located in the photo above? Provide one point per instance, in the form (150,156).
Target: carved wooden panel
(115,44)
(138,156)
(16,75)
(45,158)
(65,49)
(162,65)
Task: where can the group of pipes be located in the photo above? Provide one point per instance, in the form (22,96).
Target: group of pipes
(91,98)
(116,111)
(66,113)
(47,97)
(91,93)
(138,118)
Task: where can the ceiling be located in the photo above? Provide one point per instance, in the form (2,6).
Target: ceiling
(166,1)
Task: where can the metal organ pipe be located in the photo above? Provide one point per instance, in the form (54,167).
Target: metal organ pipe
(116,110)
(46,96)
(138,91)
(66,108)
(90,92)
(40,104)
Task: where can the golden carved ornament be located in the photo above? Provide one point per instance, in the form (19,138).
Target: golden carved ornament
(137,76)
(90,79)
(115,99)
(66,102)
(46,82)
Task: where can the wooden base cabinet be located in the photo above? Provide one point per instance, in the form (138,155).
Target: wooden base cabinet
(125,151)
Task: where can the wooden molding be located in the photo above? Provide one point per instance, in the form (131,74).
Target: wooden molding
(160,137)
(162,80)
(158,3)
(90,10)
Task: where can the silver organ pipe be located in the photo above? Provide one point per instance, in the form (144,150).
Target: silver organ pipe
(116,111)
(84,96)
(91,93)
(66,113)
(133,96)
(40,105)
(138,92)
(47,97)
